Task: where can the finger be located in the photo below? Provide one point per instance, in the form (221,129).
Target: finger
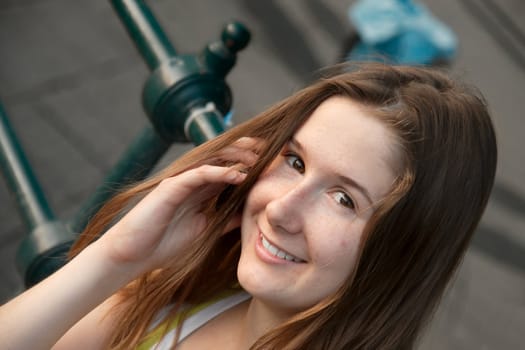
(160,205)
(237,155)
(198,199)
(245,149)
(177,188)
(250,143)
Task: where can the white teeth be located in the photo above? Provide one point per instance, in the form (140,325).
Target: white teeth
(277,252)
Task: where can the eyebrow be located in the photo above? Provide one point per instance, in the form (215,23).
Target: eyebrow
(345,179)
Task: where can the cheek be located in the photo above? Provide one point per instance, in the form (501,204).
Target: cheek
(338,246)
(253,201)
(254,204)
(263,191)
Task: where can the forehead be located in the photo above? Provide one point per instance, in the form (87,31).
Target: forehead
(344,137)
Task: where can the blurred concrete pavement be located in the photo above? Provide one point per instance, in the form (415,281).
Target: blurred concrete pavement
(71,80)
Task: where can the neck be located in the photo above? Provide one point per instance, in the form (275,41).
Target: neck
(256,320)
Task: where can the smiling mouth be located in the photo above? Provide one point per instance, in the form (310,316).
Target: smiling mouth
(281,254)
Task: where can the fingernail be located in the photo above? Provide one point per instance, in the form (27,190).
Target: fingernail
(233,175)
(239,175)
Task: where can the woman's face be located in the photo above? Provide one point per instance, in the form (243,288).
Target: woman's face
(304,217)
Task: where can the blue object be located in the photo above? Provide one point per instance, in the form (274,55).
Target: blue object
(228,119)
(402,30)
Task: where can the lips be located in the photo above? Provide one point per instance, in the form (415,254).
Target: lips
(278,252)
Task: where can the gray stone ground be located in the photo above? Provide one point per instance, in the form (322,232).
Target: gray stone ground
(70,80)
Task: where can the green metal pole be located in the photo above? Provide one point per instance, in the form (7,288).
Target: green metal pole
(179,89)
(204,124)
(28,194)
(42,251)
(134,165)
(145,31)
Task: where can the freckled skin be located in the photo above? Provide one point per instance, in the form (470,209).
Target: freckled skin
(297,205)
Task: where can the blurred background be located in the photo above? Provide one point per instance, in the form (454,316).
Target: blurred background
(71,80)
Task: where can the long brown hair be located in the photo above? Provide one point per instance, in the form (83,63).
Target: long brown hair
(411,246)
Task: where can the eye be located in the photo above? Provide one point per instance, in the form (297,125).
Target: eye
(345,200)
(295,162)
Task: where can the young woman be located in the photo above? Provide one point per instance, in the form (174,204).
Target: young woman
(334,220)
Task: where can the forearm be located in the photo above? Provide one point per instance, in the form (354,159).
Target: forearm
(39,317)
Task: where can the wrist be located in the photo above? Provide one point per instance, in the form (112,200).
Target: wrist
(111,267)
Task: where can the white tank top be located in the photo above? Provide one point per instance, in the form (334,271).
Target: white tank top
(193,322)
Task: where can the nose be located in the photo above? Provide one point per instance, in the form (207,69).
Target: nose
(286,211)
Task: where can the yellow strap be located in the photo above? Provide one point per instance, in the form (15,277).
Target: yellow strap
(164,328)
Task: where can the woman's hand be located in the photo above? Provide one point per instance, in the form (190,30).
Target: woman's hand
(168,218)
(166,221)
